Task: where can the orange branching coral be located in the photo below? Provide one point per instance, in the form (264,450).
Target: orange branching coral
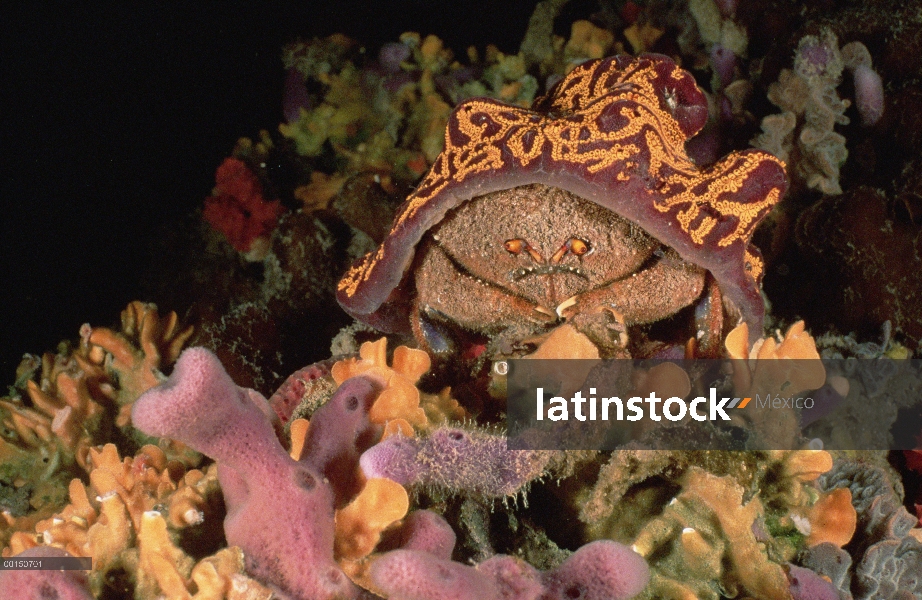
(69,407)
(106,519)
(161,565)
(65,414)
(221,576)
(133,357)
(164,570)
(400,399)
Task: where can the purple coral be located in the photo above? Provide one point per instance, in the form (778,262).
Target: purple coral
(869,88)
(392,55)
(869,95)
(279,511)
(455,459)
(723,61)
(602,570)
(807,585)
(295,96)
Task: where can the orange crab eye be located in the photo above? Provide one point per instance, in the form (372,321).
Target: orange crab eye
(578,247)
(515,246)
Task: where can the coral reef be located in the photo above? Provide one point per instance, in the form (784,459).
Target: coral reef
(380,469)
(82,396)
(811,109)
(325,476)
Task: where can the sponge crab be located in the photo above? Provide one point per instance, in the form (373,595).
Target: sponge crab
(584,210)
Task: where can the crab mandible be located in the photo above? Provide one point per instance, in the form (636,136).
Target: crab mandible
(584,210)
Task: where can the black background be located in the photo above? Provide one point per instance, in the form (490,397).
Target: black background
(116,116)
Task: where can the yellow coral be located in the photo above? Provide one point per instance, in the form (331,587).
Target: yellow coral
(401,399)
(379,505)
(317,194)
(710,527)
(642,36)
(107,519)
(588,41)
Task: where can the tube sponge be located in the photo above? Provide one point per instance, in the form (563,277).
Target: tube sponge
(279,511)
(602,570)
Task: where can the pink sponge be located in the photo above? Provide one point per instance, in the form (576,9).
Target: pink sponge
(279,511)
(418,575)
(602,570)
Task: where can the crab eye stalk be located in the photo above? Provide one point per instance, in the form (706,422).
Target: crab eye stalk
(578,247)
(515,246)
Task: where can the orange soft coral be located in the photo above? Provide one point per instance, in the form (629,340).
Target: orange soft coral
(380,504)
(104,518)
(401,399)
(761,370)
(832,519)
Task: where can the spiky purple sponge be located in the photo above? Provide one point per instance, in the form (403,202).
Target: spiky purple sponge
(455,459)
